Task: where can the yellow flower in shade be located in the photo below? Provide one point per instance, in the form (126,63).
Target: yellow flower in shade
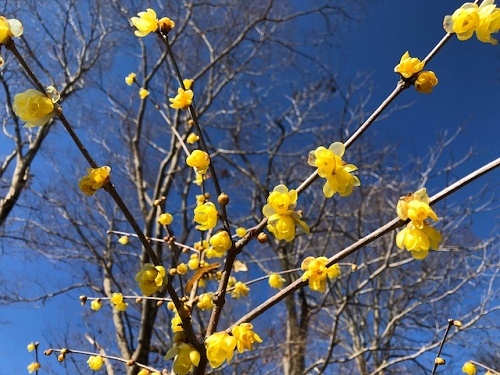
(240,290)
(188,83)
(185,357)
(165,219)
(205,301)
(143,93)
(95,362)
(31,346)
(129,80)
(221,241)
(240,232)
(194,262)
(316,272)
(192,138)
(425,82)
(33,107)
(199,160)
(463,21)
(123,240)
(146,23)
(415,206)
(282,218)
(182,100)
(245,337)
(176,323)
(408,66)
(206,215)
(276,281)
(469,368)
(96,178)
(117,300)
(151,278)
(220,347)
(418,240)
(336,171)
(9,28)
(33,366)
(96,304)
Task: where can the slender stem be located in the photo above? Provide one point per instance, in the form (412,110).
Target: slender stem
(450,324)
(11,46)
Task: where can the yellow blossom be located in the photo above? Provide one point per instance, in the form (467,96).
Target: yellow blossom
(151,278)
(239,290)
(198,179)
(166,24)
(469,368)
(415,206)
(182,100)
(143,93)
(282,218)
(194,262)
(165,219)
(316,272)
(117,300)
(221,241)
(206,215)
(123,240)
(188,83)
(176,323)
(95,362)
(182,269)
(205,301)
(144,371)
(192,138)
(275,280)
(96,304)
(33,366)
(425,82)
(418,240)
(199,160)
(96,178)
(241,232)
(129,80)
(489,22)
(33,107)
(463,22)
(408,66)
(220,347)
(185,356)
(9,28)
(146,23)
(337,172)
(245,337)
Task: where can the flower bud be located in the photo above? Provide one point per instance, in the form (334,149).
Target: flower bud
(83,299)
(223,199)
(262,237)
(439,361)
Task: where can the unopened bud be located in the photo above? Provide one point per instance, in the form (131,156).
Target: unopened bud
(48,351)
(223,199)
(172,271)
(138,300)
(61,357)
(354,267)
(457,323)
(262,237)
(130,362)
(439,361)
(185,311)
(159,303)
(207,195)
(83,299)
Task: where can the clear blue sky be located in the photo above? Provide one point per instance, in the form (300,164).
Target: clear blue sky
(468,93)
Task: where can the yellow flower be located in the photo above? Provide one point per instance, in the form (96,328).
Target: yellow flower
(463,21)
(417,240)
(144,372)
(182,269)
(316,272)
(275,280)
(143,93)
(206,216)
(117,300)
(489,22)
(221,241)
(146,23)
(205,301)
(192,138)
(95,362)
(176,323)
(198,179)
(165,219)
(469,368)
(151,278)
(282,218)
(408,66)
(31,346)
(34,107)
(199,160)
(425,82)
(194,262)
(166,24)
(239,290)
(337,172)
(129,80)
(123,240)
(182,100)
(188,83)
(240,232)
(245,337)
(96,304)
(9,28)
(33,366)
(220,347)
(96,178)
(185,356)
(415,206)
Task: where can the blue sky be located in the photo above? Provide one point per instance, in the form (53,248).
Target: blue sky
(467,94)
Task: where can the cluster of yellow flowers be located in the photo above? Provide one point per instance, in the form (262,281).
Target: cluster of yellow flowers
(469,18)
(418,236)
(336,171)
(409,66)
(148,23)
(316,272)
(281,216)
(151,278)
(95,179)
